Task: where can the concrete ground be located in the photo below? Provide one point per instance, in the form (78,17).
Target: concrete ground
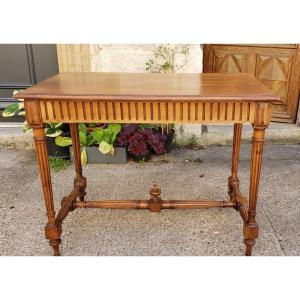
(184,174)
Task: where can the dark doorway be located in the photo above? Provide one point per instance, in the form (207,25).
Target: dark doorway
(21,66)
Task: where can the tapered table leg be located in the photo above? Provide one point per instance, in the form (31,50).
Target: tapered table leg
(52,229)
(80,180)
(233,179)
(251,227)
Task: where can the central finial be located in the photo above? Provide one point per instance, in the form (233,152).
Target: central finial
(155,190)
(155,203)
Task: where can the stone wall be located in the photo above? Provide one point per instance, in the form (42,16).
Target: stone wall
(132,58)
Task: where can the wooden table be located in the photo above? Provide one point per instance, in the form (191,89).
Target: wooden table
(149,98)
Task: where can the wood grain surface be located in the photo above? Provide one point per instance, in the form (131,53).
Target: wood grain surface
(150,86)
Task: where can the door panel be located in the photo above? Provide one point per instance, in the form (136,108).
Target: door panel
(14,65)
(230,61)
(45,61)
(21,66)
(273,68)
(275,71)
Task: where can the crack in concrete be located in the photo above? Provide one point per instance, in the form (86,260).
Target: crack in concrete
(273,229)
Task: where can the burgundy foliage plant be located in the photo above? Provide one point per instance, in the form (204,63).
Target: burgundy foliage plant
(140,142)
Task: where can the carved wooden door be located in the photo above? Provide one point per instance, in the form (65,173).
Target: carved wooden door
(277,66)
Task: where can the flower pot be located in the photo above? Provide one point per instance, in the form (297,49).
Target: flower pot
(94,156)
(56,151)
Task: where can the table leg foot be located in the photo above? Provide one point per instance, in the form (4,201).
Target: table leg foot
(55,245)
(53,233)
(249,244)
(250,234)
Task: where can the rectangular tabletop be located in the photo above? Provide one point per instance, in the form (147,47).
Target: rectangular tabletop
(142,86)
(146,98)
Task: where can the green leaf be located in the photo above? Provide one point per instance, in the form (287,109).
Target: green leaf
(12,109)
(106,148)
(111,132)
(25,127)
(90,141)
(82,128)
(63,141)
(55,125)
(115,128)
(113,138)
(98,134)
(55,133)
(108,133)
(83,155)
(49,130)
(82,138)
(58,125)
(15,92)
(51,125)
(21,113)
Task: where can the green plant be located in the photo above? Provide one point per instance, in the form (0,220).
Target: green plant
(166,57)
(58,164)
(17,109)
(104,137)
(193,141)
(54,129)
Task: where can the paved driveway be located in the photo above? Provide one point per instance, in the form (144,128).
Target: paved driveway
(185,174)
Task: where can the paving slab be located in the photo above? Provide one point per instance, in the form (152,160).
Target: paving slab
(183,174)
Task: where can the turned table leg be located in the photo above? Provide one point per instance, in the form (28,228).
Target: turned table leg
(250,226)
(52,229)
(80,180)
(233,179)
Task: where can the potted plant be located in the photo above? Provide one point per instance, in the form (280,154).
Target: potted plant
(52,130)
(98,145)
(142,141)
